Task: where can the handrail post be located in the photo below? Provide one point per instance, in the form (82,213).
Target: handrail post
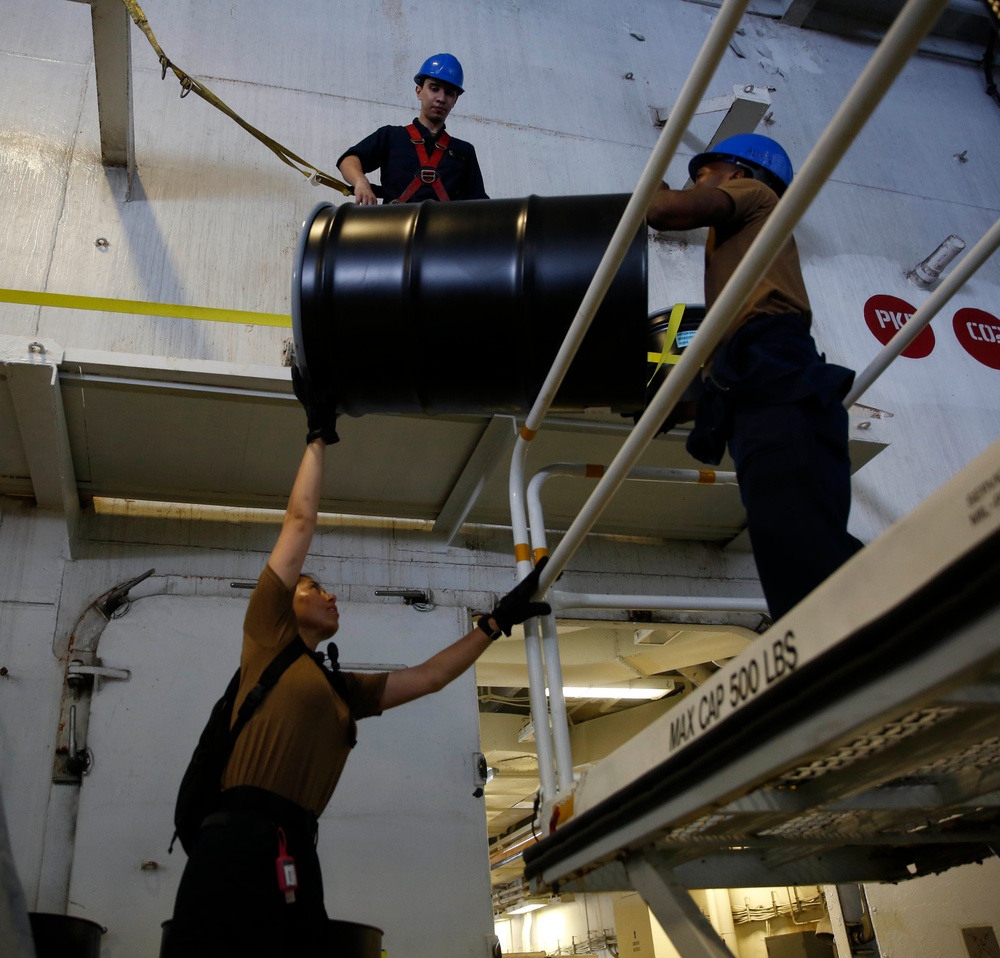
(691,94)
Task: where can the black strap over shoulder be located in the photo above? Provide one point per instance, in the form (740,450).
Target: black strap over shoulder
(267,681)
(201,789)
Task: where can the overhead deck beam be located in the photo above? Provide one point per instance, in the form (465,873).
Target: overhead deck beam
(113,68)
(32,374)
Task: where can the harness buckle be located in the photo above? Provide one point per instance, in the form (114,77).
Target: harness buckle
(427,175)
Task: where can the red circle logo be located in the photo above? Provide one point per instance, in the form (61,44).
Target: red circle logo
(979,334)
(887,315)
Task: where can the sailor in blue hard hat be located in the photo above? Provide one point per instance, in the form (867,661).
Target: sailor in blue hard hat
(768,395)
(421,161)
(758,156)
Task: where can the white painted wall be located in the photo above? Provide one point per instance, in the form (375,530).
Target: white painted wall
(213,221)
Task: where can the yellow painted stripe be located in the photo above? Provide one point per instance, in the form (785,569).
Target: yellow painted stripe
(706,475)
(528,434)
(176,310)
(540,554)
(594,471)
(522,552)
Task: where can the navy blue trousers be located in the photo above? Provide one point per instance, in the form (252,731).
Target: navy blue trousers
(229,905)
(794,477)
(777,404)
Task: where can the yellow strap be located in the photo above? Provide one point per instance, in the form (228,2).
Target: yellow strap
(669,337)
(522,552)
(189,83)
(28,298)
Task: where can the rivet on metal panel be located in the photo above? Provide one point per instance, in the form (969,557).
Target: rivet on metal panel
(864,425)
(629,76)
(36,347)
(149,866)
(101,243)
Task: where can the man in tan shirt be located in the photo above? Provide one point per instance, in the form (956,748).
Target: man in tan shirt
(768,394)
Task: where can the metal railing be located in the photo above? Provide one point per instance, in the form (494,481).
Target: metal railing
(898,45)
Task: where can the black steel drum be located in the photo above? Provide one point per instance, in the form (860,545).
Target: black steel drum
(461,307)
(64,936)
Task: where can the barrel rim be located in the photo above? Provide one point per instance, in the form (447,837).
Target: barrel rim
(300,254)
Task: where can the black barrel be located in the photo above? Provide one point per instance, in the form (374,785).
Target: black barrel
(64,936)
(461,307)
(345,939)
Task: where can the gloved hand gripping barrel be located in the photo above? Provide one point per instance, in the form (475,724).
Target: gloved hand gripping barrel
(461,307)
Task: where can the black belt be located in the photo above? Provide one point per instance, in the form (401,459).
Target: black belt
(248,800)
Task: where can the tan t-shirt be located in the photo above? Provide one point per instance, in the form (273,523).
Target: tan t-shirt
(297,741)
(781,289)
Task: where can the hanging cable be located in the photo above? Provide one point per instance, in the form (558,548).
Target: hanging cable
(189,84)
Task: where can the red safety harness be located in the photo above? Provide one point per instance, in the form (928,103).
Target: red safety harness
(427,174)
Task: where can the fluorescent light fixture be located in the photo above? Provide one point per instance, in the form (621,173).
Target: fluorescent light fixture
(525,907)
(625,692)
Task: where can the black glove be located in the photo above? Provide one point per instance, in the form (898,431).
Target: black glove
(320,407)
(516,605)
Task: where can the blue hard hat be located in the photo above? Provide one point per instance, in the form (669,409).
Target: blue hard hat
(765,159)
(444,67)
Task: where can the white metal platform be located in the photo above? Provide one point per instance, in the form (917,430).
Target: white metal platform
(857,740)
(83,423)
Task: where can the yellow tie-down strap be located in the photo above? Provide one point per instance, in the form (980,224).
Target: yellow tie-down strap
(669,338)
(175,310)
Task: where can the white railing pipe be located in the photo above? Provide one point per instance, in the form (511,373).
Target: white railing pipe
(691,94)
(693,91)
(557,704)
(680,117)
(902,39)
(561,601)
(539,707)
(955,280)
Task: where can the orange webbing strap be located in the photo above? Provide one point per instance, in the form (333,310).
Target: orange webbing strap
(427,174)
(188,84)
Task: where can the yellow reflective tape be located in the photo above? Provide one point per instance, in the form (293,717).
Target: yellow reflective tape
(528,434)
(706,475)
(522,552)
(593,471)
(176,310)
(539,554)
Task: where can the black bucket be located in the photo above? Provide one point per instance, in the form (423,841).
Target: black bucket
(64,936)
(346,939)
(462,307)
(354,940)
